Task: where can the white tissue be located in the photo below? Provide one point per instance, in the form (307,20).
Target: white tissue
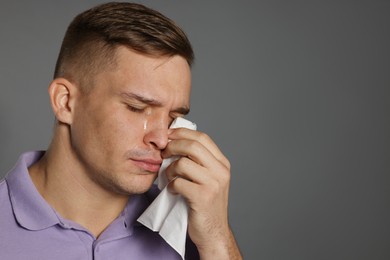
(168,213)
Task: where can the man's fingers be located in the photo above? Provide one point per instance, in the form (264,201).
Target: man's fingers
(187,169)
(198,195)
(202,138)
(189,148)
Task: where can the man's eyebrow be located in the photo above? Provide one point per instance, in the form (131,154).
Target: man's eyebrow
(143,99)
(150,101)
(182,111)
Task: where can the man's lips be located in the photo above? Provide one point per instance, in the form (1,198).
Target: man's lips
(150,165)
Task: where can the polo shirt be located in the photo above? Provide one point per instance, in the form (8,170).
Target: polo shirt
(31,229)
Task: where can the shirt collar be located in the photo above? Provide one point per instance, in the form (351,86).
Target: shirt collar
(30,208)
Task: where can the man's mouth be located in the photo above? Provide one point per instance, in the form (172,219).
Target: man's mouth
(149,165)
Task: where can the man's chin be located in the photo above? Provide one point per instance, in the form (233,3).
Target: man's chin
(140,186)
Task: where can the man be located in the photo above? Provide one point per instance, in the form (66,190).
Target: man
(121,78)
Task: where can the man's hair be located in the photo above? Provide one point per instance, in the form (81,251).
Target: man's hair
(92,37)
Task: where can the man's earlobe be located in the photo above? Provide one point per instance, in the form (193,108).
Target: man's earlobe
(62,95)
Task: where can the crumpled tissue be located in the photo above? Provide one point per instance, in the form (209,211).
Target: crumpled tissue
(168,213)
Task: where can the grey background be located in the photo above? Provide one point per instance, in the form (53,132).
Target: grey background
(296,93)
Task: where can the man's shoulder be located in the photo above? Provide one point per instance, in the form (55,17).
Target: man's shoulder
(6,212)
(3,191)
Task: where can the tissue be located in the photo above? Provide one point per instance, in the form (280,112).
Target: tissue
(168,213)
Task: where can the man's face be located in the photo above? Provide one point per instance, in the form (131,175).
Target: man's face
(120,126)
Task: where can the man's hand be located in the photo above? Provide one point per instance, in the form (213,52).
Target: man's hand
(202,177)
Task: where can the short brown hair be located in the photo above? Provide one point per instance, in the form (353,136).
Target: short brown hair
(92,37)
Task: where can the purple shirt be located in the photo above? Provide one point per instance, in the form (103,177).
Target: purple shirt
(31,229)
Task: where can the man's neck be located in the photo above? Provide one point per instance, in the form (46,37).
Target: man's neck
(66,186)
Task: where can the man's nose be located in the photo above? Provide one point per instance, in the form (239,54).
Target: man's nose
(156,133)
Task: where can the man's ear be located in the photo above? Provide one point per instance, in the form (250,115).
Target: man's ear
(62,98)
